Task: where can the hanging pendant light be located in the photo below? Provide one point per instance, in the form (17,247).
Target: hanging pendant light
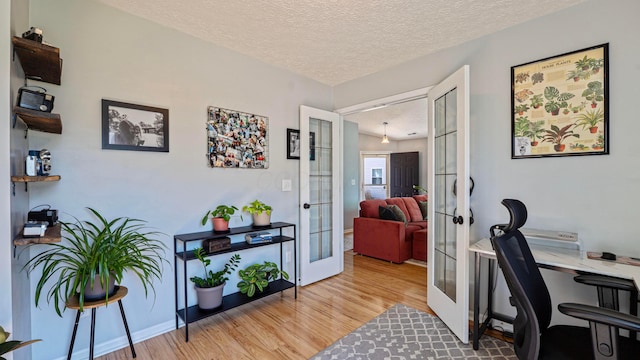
(385,139)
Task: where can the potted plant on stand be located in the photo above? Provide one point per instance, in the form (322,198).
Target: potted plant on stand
(256,277)
(220,217)
(260,211)
(94,257)
(209,289)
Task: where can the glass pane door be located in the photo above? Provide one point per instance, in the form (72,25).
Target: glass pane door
(321,190)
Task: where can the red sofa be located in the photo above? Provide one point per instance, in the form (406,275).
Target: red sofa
(386,239)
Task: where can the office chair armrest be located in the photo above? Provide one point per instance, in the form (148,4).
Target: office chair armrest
(601,315)
(606,281)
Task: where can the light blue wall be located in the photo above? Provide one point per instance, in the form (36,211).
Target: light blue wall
(113,55)
(351,173)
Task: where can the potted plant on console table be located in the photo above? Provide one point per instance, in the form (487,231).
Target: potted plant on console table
(220,217)
(256,277)
(260,211)
(209,289)
(94,257)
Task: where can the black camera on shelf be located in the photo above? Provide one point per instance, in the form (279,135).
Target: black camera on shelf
(49,216)
(34,34)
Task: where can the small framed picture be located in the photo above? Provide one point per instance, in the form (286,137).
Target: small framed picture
(134,127)
(293,144)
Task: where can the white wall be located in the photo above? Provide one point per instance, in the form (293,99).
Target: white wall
(596,196)
(351,173)
(112,55)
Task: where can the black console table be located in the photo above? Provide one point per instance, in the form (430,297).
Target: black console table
(194,313)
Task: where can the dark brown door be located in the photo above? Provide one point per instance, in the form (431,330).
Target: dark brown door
(404,169)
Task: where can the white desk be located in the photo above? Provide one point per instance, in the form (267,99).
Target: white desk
(560,259)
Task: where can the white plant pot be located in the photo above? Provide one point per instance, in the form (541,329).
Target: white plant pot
(210,298)
(262,219)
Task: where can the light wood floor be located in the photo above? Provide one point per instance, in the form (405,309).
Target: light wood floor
(280,327)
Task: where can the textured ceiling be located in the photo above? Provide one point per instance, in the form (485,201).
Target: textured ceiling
(335,41)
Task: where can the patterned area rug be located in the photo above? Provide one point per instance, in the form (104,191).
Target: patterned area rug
(403,332)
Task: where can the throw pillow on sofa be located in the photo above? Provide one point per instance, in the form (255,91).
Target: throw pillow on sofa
(387,214)
(393,213)
(423,209)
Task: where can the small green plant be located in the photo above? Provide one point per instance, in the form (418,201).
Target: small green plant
(555,100)
(535,130)
(222,211)
(590,119)
(419,188)
(8,346)
(257,207)
(537,101)
(213,279)
(522,77)
(256,277)
(594,93)
(521,126)
(537,78)
(520,109)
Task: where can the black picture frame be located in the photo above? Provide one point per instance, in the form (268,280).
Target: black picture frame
(312,146)
(134,127)
(293,144)
(560,105)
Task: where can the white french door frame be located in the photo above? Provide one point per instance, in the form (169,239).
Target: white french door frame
(311,272)
(453,312)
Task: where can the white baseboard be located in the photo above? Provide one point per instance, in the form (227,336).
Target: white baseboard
(348,231)
(122,342)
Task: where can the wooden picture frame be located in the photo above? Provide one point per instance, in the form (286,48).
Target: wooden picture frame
(127,126)
(560,105)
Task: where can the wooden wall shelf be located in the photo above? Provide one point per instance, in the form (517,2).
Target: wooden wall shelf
(35,178)
(51,235)
(39,62)
(39,120)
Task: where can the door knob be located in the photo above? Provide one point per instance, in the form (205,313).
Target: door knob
(458,220)
(306,206)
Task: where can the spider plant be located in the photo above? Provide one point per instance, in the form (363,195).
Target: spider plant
(106,249)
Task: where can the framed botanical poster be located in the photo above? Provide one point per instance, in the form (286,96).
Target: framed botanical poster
(128,126)
(236,139)
(559,105)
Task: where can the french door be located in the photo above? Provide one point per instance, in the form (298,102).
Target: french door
(321,228)
(448,262)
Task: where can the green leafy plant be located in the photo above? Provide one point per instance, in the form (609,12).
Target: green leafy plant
(537,78)
(8,346)
(522,77)
(419,188)
(106,248)
(557,135)
(584,63)
(599,144)
(257,207)
(537,101)
(555,100)
(521,126)
(594,93)
(535,131)
(256,277)
(590,119)
(520,109)
(222,211)
(213,279)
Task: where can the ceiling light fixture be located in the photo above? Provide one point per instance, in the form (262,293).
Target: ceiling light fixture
(385,139)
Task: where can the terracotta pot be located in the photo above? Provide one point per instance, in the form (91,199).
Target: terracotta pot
(220,224)
(559,148)
(593,130)
(209,298)
(262,219)
(534,143)
(97,292)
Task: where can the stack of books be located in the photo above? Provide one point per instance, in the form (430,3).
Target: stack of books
(258,238)
(34,229)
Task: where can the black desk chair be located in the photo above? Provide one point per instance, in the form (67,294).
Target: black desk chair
(533,338)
